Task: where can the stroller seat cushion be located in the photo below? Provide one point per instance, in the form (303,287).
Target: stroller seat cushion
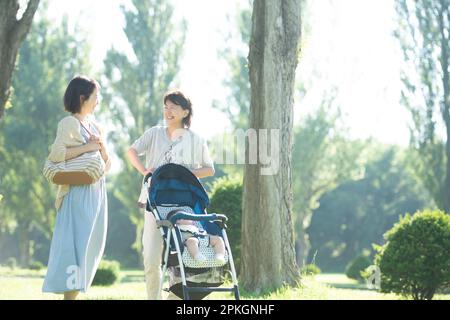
(209,254)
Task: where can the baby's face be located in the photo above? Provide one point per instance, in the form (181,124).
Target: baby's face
(185,222)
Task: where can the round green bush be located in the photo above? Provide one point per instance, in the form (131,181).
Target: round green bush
(415,261)
(36,265)
(108,273)
(356,266)
(310,270)
(11,263)
(226,198)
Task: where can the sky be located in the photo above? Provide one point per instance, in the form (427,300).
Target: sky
(349,47)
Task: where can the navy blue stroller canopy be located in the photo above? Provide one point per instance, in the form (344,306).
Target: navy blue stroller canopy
(173,184)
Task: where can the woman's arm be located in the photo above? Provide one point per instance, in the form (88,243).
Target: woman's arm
(104,152)
(76,151)
(103,149)
(206,164)
(135,162)
(204,172)
(68,136)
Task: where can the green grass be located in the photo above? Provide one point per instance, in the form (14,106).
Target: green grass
(27,284)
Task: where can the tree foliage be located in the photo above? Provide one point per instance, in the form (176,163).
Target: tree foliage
(238,83)
(424,35)
(13,30)
(355,214)
(135,86)
(47,61)
(323,159)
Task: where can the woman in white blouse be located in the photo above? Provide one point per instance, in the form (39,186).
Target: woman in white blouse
(173,143)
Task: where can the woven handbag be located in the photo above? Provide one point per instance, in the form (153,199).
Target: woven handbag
(87,168)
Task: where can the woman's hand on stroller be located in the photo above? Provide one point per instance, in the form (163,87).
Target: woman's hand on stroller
(147,174)
(147,171)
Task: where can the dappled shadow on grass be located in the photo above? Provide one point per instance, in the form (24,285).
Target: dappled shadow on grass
(23,276)
(22,273)
(296,292)
(132,278)
(264,294)
(340,281)
(359,286)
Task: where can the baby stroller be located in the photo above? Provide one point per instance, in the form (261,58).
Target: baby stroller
(174,187)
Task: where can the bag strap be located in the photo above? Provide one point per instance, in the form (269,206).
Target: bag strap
(88,131)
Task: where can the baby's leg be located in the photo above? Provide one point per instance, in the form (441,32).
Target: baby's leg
(192,246)
(217,244)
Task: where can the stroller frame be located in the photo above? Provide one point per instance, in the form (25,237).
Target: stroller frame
(170,231)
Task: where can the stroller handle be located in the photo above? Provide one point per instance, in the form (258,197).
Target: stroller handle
(198,217)
(147,176)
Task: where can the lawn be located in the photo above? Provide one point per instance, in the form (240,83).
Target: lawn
(26,284)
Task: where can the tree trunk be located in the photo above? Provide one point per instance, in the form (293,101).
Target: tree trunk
(445,108)
(446,187)
(302,247)
(302,243)
(268,249)
(12,33)
(24,246)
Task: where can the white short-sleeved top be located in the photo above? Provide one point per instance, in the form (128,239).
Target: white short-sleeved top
(189,150)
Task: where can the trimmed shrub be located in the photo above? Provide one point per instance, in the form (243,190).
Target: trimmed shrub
(415,261)
(11,263)
(107,274)
(36,265)
(226,198)
(310,270)
(356,266)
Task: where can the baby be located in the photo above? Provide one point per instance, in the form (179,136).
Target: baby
(191,234)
